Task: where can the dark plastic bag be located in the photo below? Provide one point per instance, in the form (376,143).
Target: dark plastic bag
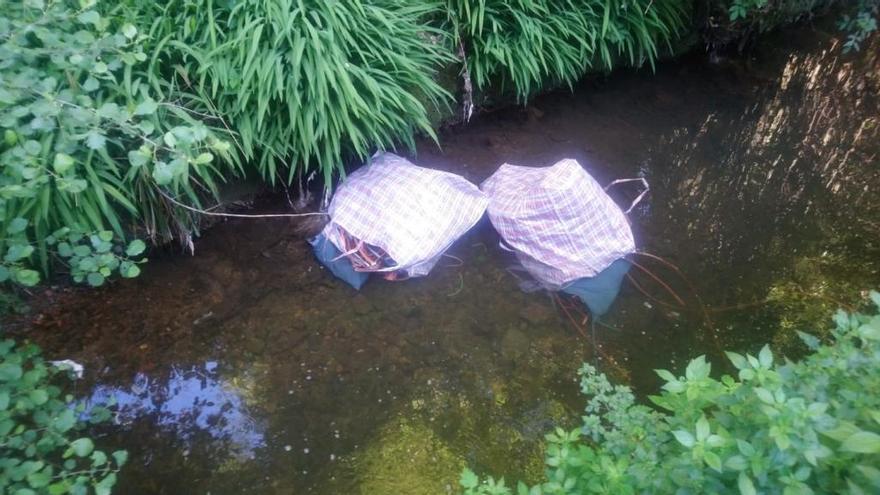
(329,256)
(599,292)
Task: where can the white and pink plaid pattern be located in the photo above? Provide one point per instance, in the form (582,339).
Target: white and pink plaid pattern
(412,213)
(558,220)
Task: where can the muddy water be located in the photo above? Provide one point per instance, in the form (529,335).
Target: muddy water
(248,369)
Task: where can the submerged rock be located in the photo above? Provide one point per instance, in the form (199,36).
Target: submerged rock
(536,313)
(514,344)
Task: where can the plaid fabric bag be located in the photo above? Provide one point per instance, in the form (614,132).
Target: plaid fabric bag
(558,220)
(412,214)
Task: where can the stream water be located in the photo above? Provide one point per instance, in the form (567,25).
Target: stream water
(248,369)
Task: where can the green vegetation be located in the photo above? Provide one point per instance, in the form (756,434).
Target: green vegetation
(304,83)
(749,17)
(532,44)
(860,24)
(89,152)
(795,427)
(117,114)
(42,450)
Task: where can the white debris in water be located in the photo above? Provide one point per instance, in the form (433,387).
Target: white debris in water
(306,450)
(648,305)
(288,448)
(332,457)
(69,364)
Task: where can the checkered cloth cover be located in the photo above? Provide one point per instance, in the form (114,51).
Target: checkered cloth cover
(558,220)
(414,214)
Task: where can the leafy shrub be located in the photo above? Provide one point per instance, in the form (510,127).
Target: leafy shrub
(807,427)
(87,146)
(860,25)
(304,82)
(41,450)
(531,44)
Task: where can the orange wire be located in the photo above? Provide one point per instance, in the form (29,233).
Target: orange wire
(661,282)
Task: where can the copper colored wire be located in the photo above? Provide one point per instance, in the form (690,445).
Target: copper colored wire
(661,282)
(702,306)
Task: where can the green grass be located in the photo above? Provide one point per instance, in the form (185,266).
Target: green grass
(534,44)
(304,84)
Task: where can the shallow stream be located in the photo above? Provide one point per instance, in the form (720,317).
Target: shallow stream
(248,369)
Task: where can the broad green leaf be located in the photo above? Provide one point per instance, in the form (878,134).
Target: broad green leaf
(65,420)
(38,396)
(129,31)
(469,479)
(95,140)
(765,395)
(89,17)
(745,485)
(738,360)
(104,486)
(10,372)
(137,159)
(765,357)
(27,277)
(18,252)
(129,270)
(863,442)
(135,248)
(713,461)
(17,225)
(62,163)
(99,458)
(684,437)
(95,279)
(39,479)
(702,428)
(82,446)
(91,84)
(146,107)
(162,174)
(120,456)
(669,377)
(203,159)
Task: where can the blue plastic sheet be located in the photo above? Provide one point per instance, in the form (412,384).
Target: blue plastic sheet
(599,292)
(328,255)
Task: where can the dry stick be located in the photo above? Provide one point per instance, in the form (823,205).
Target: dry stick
(239,215)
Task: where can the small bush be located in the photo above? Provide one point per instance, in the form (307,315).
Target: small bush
(90,153)
(42,450)
(859,24)
(796,428)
